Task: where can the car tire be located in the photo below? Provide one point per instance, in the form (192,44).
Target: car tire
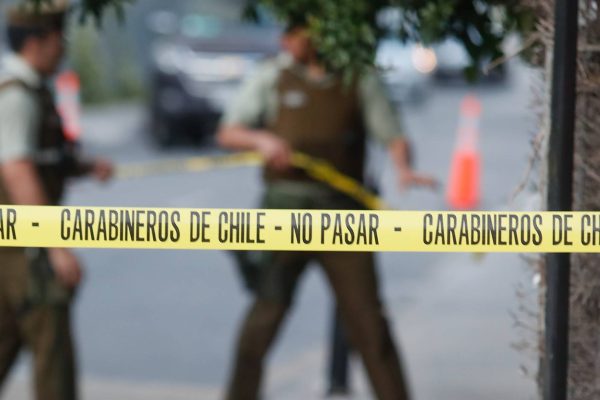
(162,132)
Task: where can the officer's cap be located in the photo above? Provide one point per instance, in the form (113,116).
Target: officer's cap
(48,15)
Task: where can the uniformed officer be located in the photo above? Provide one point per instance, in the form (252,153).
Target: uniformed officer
(292,103)
(36,286)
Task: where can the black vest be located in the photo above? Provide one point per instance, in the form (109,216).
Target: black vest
(323,121)
(54,156)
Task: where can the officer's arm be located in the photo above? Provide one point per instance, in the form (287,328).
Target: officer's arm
(98,168)
(400,152)
(239,127)
(383,124)
(22,182)
(248,110)
(240,137)
(19,175)
(24,187)
(401,155)
(275,151)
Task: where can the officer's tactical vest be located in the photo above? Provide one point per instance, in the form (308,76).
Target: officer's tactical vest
(53,158)
(323,121)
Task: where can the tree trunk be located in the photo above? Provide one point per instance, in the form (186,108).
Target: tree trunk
(584,333)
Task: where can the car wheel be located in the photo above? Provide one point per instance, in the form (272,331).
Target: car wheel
(207,135)
(162,132)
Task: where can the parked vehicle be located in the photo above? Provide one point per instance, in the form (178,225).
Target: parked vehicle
(198,62)
(453,59)
(406,69)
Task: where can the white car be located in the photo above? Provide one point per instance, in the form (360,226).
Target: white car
(453,59)
(406,69)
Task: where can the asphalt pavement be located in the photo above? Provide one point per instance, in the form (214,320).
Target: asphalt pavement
(161,324)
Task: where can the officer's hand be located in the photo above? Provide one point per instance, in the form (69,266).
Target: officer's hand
(408,178)
(276,151)
(102,170)
(66,267)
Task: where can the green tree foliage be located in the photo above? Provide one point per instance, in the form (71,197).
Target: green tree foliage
(84,49)
(346,31)
(107,71)
(481,26)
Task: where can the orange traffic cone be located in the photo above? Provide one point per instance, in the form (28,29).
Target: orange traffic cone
(464,181)
(68,104)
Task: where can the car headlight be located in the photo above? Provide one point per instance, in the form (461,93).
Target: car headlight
(423,59)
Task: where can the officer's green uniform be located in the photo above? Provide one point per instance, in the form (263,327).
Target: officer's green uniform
(34,307)
(329,120)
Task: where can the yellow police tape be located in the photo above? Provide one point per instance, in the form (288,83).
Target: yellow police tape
(300,230)
(317,169)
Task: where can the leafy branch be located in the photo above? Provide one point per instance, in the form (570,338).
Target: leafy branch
(346,31)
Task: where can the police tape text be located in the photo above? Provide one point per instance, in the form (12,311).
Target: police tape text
(8,219)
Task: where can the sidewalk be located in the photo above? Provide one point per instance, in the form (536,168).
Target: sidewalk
(458,336)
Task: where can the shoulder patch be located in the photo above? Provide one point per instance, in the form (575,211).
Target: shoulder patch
(294,98)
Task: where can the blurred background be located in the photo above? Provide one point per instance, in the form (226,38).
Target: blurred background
(161,324)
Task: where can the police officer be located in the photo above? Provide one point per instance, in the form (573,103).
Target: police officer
(36,285)
(292,103)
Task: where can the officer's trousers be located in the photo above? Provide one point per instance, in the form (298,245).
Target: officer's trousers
(353,279)
(44,328)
